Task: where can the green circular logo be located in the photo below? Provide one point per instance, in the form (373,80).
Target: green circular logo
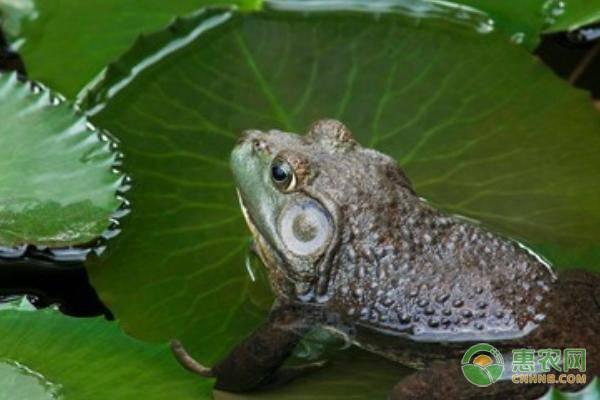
(482,364)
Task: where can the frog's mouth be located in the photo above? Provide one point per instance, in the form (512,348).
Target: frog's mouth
(263,248)
(246,215)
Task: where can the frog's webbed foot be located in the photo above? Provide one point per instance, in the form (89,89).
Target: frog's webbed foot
(445,380)
(188,362)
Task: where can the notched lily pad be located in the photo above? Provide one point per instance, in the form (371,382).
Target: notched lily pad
(58,184)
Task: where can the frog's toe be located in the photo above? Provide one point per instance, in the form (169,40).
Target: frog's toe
(188,362)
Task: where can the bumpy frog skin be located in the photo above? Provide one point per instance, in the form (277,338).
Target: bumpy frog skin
(349,245)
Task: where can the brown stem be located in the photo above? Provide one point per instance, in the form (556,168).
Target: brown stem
(188,361)
(584,63)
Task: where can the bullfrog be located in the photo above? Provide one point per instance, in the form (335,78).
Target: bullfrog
(349,245)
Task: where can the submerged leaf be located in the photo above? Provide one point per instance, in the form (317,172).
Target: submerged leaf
(57,185)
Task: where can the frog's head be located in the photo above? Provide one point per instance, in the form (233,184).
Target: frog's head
(293,191)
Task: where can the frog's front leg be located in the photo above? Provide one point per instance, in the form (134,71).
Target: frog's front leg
(255,363)
(444,380)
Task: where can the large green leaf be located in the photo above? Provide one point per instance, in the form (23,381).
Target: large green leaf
(481,127)
(45,355)
(66,43)
(57,186)
(70,41)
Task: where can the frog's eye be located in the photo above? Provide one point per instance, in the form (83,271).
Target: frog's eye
(282,175)
(306,228)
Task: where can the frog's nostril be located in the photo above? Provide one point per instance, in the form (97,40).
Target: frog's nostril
(260,146)
(255,140)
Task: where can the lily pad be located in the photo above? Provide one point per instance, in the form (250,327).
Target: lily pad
(48,356)
(102,29)
(481,127)
(57,186)
(106,29)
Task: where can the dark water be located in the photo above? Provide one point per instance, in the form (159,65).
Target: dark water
(49,282)
(574,58)
(9,60)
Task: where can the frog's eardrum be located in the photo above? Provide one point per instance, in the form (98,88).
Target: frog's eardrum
(305,228)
